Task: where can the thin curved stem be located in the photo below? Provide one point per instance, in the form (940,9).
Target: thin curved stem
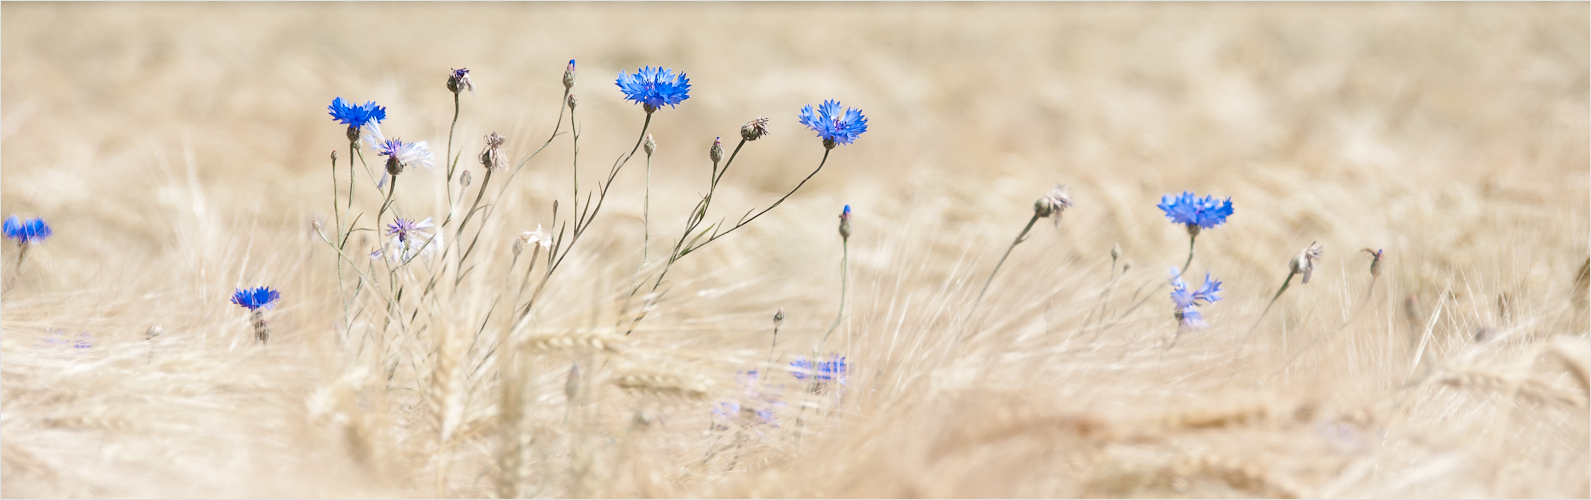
(1020,237)
(845,275)
(1355,314)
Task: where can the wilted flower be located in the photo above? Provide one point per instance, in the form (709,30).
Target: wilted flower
(255,298)
(537,237)
(1186,300)
(652,87)
(754,129)
(492,156)
(1304,262)
(1194,212)
(1053,203)
(459,81)
(27,232)
(833,126)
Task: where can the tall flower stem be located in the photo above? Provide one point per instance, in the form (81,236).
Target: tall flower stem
(452,161)
(1283,288)
(845,275)
(1192,237)
(1020,237)
(1324,335)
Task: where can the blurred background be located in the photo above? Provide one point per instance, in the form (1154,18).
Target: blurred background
(181,149)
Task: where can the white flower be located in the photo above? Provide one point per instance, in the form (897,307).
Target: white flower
(537,237)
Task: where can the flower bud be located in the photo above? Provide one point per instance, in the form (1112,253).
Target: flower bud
(778,318)
(649,145)
(1115,251)
(1375,261)
(464,178)
(754,129)
(334,156)
(845,223)
(717,152)
(518,247)
(569,75)
(572,101)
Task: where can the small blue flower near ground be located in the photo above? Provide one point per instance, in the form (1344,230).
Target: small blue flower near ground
(653,87)
(27,232)
(824,371)
(356,116)
(1206,212)
(255,298)
(59,338)
(832,125)
(1186,300)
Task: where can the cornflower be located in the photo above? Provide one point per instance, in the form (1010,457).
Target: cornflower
(1186,300)
(650,87)
(356,117)
(821,372)
(832,125)
(410,239)
(26,233)
(1049,205)
(1196,214)
(459,81)
(255,299)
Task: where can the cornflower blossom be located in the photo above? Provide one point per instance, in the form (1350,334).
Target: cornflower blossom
(1194,212)
(59,338)
(824,371)
(399,154)
(652,87)
(832,125)
(759,407)
(1186,300)
(27,232)
(409,239)
(255,298)
(356,117)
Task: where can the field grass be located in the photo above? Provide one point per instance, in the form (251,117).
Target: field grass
(181,151)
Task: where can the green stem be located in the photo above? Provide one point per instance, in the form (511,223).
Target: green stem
(1267,309)
(1191,239)
(1019,238)
(845,260)
(453,161)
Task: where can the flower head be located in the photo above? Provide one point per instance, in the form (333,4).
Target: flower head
(822,371)
(754,129)
(1186,300)
(27,232)
(1053,203)
(1206,212)
(409,239)
(569,75)
(356,116)
(652,87)
(255,298)
(845,223)
(459,81)
(1304,262)
(399,154)
(492,156)
(833,126)
(1375,261)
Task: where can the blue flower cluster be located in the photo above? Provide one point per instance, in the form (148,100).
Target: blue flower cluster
(27,232)
(1186,300)
(653,87)
(1206,212)
(832,125)
(255,298)
(59,338)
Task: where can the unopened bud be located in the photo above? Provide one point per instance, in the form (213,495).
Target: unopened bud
(1115,251)
(573,101)
(845,223)
(1125,266)
(464,178)
(649,145)
(1375,261)
(334,156)
(754,129)
(315,223)
(519,246)
(569,75)
(778,318)
(717,152)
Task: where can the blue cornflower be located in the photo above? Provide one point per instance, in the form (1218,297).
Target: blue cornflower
(356,116)
(1193,211)
(831,370)
(27,232)
(1186,300)
(410,239)
(255,298)
(653,87)
(59,338)
(832,125)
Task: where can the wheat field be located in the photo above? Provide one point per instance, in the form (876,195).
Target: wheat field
(182,151)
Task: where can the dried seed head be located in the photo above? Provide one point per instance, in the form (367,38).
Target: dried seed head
(569,75)
(649,145)
(717,152)
(492,156)
(754,129)
(778,318)
(459,81)
(1053,203)
(1304,262)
